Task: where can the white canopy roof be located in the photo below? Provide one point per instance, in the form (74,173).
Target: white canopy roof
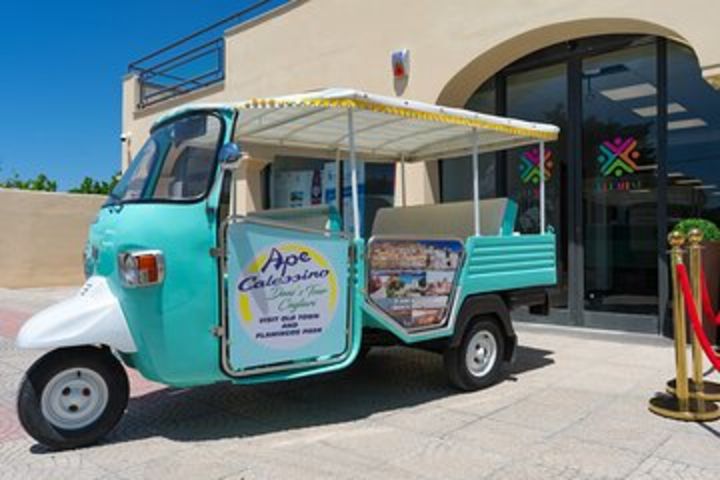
(385,127)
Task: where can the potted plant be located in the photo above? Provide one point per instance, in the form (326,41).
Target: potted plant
(710,264)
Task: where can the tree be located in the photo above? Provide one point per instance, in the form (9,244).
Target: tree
(39,183)
(102,187)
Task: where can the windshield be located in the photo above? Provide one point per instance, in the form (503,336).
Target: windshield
(175,164)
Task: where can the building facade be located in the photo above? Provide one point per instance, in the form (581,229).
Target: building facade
(630,83)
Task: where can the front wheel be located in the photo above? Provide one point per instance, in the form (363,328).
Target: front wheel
(72,397)
(477,361)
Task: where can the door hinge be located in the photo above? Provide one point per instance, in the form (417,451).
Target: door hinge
(217,252)
(218,331)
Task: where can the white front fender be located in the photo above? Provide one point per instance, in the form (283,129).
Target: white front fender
(93,316)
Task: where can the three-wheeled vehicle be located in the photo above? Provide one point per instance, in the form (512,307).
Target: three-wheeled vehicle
(186,290)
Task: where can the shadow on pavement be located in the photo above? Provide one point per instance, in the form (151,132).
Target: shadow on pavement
(529,358)
(389,379)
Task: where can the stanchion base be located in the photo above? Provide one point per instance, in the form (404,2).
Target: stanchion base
(711,390)
(697,410)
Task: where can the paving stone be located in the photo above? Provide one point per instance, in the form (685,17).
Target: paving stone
(20,359)
(19,459)
(539,416)
(530,470)
(490,435)
(167,406)
(570,398)
(9,385)
(379,442)
(117,456)
(10,428)
(485,402)
(389,472)
(619,433)
(699,450)
(587,459)
(300,454)
(446,459)
(190,463)
(654,468)
(6,344)
(601,381)
(428,420)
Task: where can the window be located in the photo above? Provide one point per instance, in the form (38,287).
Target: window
(188,166)
(302,182)
(619,195)
(176,163)
(456,173)
(693,131)
(297,182)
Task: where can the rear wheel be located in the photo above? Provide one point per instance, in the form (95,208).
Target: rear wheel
(72,397)
(477,361)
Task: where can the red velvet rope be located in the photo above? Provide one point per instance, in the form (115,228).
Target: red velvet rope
(707,307)
(695,317)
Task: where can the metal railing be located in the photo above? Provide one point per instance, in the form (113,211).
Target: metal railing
(192,62)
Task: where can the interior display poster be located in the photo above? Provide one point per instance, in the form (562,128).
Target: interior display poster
(329,183)
(292,189)
(304,188)
(287,295)
(412,280)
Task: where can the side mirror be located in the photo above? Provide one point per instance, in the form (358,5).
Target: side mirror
(230,153)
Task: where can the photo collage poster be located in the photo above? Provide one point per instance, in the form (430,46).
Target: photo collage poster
(412,280)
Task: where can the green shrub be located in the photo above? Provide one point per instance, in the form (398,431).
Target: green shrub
(710,231)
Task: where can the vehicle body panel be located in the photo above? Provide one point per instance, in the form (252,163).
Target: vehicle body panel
(92,316)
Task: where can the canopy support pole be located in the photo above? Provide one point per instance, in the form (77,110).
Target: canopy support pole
(476,181)
(541,166)
(353,175)
(338,184)
(402,180)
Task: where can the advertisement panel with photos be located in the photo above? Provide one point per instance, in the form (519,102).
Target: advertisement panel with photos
(287,297)
(412,281)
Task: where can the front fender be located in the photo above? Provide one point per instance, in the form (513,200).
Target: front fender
(93,316)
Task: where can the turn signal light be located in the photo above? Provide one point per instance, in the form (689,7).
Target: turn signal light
(141,269)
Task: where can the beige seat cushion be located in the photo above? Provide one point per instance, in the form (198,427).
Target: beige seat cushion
(316,218)
(447,219)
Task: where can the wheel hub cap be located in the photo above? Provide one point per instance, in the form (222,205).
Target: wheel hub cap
(481,353)
(74,398)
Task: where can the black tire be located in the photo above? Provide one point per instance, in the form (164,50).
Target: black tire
(456,365)
(30,411)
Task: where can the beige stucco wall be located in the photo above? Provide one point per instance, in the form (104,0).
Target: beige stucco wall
(42,236)
(454,47)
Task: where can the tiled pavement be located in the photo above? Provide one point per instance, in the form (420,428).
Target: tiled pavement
(573,406)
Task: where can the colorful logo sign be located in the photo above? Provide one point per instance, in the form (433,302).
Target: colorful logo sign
(530,166)
(287,295)
(618,157)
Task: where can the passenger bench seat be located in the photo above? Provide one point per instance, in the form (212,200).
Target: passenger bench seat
(497,217)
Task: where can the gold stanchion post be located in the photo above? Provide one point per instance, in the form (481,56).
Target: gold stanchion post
(679,404)
(698,386)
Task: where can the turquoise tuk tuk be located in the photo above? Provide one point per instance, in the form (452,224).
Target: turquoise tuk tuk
(188,291)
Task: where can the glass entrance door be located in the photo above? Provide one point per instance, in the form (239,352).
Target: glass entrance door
(618,189)
(523,101)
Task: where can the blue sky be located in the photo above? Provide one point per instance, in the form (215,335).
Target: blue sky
(61,65)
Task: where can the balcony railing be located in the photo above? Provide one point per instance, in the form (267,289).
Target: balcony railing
(192,62)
